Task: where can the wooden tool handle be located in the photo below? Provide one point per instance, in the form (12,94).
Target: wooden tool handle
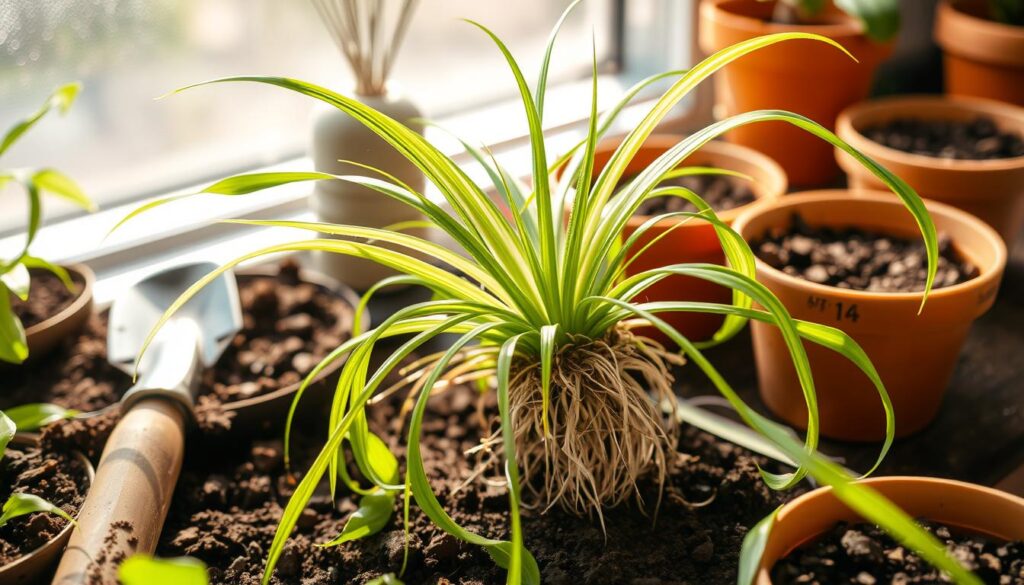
(128,501)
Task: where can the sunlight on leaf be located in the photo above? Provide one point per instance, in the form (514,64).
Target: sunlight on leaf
(142,569)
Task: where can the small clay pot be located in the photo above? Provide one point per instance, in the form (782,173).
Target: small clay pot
(695,240)
(992,189)
(981,57)
(269,410)
(966,506)
(914,354)
(802,76)
(46,335)
(34,565)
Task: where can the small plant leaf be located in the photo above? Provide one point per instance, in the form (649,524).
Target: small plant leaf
(55,269)
(23,504)
(57,183)
(388,579)
(13,345)
(372,515)
(61,98)
(17,280)
(146,570)
(753,548)
(881,18)
(32,417)
(7,431)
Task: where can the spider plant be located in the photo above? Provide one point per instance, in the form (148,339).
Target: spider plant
(880,18)
(14,273)
(545,318)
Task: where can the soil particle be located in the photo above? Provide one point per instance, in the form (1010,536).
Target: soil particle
(862,554)
(54,476)
(103,569)
(87,435)
(859,259)
(230,498)
(978,139)
(47,297)
(721,193)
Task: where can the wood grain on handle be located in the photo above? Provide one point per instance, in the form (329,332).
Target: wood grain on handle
(127,504)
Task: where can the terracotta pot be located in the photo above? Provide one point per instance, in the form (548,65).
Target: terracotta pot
(990,189)
(268,411)
(46,335)
(914,354)
(695,241)
(36,564)
(982,58)
(966,506)
(806,77)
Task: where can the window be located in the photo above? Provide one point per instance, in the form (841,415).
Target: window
(120,144)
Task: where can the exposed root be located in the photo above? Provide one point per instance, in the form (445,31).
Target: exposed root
(605,430)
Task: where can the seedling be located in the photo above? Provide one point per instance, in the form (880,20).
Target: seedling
(21,504)
(14,273)
(546,319)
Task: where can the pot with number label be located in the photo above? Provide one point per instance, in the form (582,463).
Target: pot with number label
(914,353)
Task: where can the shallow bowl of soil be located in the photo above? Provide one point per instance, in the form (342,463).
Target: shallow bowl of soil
(777,77)
(966,152)
(53,313)
(817,539)
(981,57)
(30,545)
(695,240)
(293,318)
(858,264)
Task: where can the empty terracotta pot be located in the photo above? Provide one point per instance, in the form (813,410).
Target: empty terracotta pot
(695,241)
(35,565)
(914,354)
(44,336)
(990,189)
(981,57)
(807,77)
(966,506)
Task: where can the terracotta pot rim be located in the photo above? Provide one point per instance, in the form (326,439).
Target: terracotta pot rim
(964,34)
(843,26)
(921,482)
(80,303)
(850,118)
(987,275)
(717,149)
(314,277)
(32,439)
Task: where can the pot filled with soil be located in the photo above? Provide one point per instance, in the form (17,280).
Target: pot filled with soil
(54,312)
(30,544)
(695,240)
(983,49)
(292,318)
(818,539)
(858,264)
(966,152)
(805,77)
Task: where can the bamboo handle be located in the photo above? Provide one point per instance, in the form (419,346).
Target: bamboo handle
(128,501)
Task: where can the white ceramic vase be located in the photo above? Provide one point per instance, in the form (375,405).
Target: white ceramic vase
(337,136)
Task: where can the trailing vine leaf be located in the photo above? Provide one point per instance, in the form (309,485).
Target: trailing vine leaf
(19,504)
(32,417)
(143,569)
(372,515)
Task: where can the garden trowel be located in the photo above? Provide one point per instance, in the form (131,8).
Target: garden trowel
(128,501)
